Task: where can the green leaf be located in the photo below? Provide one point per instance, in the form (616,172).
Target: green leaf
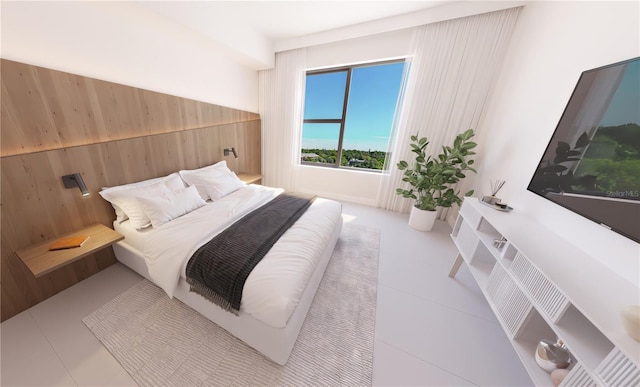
(433,176)
(583,140)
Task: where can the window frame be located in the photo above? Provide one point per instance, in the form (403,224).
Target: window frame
(342,120)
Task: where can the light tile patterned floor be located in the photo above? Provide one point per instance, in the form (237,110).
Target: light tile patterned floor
(431,330)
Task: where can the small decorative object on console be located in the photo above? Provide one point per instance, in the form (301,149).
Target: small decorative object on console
(499,243)
(492,200)
(631,321)
(495,187)
(495,203)
(557,376)
(551,356)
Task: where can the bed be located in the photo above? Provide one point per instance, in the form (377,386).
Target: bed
(277,294)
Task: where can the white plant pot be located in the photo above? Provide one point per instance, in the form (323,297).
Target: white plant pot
(422,220)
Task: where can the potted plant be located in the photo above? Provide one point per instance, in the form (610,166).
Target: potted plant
(432,178)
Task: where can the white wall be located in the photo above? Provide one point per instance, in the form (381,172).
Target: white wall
(552,44)
(126,43)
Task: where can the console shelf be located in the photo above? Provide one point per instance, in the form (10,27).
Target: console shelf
(541,287)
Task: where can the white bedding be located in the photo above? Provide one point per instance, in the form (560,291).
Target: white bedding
(134,238)
(274,287)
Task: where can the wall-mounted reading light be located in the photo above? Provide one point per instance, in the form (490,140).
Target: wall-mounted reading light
(232,150)
(75,180)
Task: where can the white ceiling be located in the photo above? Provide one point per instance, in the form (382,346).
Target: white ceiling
(277,20)
(255,30)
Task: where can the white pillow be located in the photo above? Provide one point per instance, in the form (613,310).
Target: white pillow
(123,197)
(223,184)
(120,215)
(170,205)
(203,176)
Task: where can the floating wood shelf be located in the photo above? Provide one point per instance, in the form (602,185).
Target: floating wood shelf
(40,260)
(250,178)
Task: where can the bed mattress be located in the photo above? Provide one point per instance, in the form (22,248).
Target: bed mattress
(273,289)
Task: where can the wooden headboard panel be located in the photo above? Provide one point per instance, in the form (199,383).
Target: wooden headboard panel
(55,123)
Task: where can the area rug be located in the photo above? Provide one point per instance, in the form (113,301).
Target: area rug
(335,346)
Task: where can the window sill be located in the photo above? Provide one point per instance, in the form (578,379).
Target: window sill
(345,169)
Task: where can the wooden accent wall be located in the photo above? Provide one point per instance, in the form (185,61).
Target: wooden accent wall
(55,123)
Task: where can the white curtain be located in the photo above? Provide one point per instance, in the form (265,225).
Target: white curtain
(453,66)
(281,107)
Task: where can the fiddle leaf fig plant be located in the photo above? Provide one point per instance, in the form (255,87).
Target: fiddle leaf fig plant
(432,178)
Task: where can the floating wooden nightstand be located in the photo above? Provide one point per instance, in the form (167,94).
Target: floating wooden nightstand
(250,178)
(40,260)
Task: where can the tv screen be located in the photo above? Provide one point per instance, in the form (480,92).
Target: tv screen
(592,163)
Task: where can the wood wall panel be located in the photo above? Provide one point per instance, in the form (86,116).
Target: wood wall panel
(45,109)
(54,124)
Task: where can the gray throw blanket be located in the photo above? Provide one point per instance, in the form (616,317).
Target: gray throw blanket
(219,268)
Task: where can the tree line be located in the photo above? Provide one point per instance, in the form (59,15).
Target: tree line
(349,158)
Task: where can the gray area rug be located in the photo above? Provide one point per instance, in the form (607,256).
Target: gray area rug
(160,341)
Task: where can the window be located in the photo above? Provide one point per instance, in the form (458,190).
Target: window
(349,114)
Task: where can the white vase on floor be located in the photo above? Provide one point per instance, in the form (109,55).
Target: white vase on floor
(422,220)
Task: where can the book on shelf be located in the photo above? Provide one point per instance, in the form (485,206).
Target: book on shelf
(69,242)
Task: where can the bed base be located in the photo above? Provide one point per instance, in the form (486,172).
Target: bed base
(274,343)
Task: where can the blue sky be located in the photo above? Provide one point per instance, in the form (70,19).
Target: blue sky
(623,108)
(370,111)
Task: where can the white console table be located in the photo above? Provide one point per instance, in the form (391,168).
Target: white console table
(541,287)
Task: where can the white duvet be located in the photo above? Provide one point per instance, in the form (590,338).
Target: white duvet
(274,287)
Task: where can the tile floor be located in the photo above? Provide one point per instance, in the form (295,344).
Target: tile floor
(431,330)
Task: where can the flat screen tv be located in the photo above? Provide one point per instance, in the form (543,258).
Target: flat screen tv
(592,163)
